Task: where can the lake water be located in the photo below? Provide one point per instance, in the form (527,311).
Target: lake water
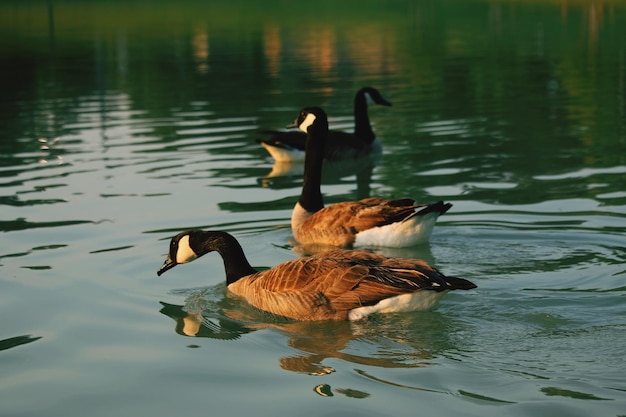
(124,123)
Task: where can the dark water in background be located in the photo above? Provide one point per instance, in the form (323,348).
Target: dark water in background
(125,122)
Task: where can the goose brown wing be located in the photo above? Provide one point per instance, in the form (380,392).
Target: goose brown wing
(374,212)
(313,273)
(300,289)
(330,284)
(337,224)
(427,274)
(389,278)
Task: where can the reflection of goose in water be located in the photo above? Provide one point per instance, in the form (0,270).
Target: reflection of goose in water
(189,323)
(335,285)
(290,145)
(17,341)
(422,252)
(288,174)
(399,341)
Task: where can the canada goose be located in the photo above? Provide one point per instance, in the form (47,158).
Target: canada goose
(289,146)
(335,285)
(368,222)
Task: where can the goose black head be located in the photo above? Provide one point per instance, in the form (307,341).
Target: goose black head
(181,250)
(311,119)
(373,96)
(192,244)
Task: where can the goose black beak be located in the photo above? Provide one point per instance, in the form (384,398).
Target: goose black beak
(168,264)
(292,125)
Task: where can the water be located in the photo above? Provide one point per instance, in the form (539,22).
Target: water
(124,124)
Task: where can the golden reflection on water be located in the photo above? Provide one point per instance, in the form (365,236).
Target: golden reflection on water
(200,42)
(313,342)
(272,47)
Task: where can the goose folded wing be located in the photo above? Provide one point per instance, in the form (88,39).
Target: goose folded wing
(302,290)
(355,216)
(378,212)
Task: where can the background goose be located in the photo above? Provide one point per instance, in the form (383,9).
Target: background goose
(290,146)
(368,222)
(336,285)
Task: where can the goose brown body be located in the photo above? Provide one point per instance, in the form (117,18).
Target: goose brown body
(340,223)
(327,286)
(368,222)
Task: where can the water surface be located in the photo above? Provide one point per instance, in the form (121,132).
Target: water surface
(123,124)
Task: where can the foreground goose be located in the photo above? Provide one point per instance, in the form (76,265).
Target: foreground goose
(336,285)
(289,146)
(369,222)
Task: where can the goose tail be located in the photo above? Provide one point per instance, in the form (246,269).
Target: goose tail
(438,207)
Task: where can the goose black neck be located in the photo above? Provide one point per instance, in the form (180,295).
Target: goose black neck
(235,263)
(362,128)
(311,196)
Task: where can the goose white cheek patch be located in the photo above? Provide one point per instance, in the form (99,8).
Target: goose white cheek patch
(308,121)
(184,253)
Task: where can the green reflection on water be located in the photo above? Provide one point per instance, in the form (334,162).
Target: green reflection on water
(538,87)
